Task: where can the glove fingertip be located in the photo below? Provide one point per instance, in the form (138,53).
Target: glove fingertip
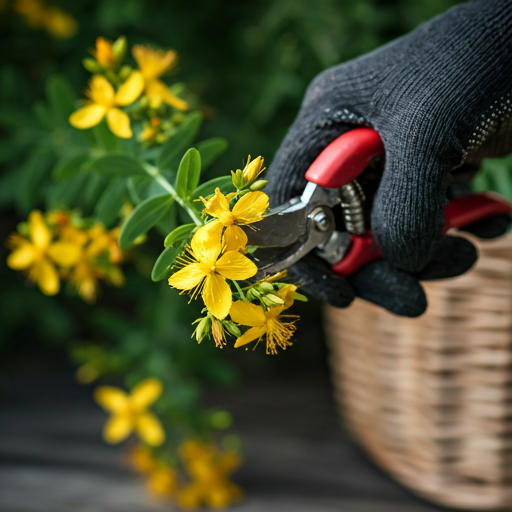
(390,288)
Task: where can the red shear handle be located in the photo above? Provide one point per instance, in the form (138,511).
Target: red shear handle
(345,158)
(459,213)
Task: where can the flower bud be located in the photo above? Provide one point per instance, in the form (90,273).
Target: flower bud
(119,48)
(232,328)
(265,288)
(92,66)
(237,179)
(272,300)
(259,185)
(252,169)
(218,333)
(202,329)
(253,294)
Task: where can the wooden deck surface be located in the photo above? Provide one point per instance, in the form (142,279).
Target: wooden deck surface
(297,456)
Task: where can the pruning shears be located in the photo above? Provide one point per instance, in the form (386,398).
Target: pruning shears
(311,223)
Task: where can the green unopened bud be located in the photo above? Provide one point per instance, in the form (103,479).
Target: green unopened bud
(265,288)
(232,328)
(111,76)
(202,329)
(253,294)
(161,138)
(237,178)
(259,185)
(92,66)
(272,300)
(178,117)
(119,48)
(221,419)
(125,72)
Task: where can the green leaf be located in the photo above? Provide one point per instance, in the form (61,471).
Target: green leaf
(175,237)
(69,165)
(33,177)
(66,193)
(188,173)
(111,201)
(210,150)
(117,164)
(224,183)
(180,140)
(164,263)
(143,218)
(61,97)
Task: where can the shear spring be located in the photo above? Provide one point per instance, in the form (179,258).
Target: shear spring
(352,198)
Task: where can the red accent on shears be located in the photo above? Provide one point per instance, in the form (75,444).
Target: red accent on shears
(345,158)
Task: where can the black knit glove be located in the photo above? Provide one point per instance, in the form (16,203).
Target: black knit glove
(441,100)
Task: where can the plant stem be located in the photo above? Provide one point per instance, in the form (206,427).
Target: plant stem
(154,173)
(240,292)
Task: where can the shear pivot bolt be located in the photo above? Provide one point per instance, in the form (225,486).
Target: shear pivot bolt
(321,222)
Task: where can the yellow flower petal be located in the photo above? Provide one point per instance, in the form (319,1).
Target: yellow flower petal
(46,276)
(217,205)
(150,429)
(112,399)
(145,393)
(217,295)
(101,91)
(39,232)
(250,208)
(234,238)
(117,428)
(87,117)
(246,313)
(119,123)
(153,63)
(188,277)
(157,92)
(252,334)
(22,257)
(130,90)
(252,169)
(65,254)
(210,234)
(234,265)
(205,250)
(287,293)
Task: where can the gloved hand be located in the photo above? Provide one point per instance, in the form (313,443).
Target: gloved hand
(441,100)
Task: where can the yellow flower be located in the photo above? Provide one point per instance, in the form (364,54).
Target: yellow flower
(103,53)
(56,22)
(38,255)
(203,271)
(153,64)
(162,480)
(104,102)
(266,323)
(140,459)
(130,412)
(209,469)
(87,271)
(249,209)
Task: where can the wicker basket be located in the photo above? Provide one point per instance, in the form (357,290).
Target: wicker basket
(431,398)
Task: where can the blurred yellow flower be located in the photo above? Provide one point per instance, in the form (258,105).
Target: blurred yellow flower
(87,271)
(38,254)
(249,209)
(104,102)
(162,480)
(209,469)
(266,323)
(141,460)
(38,14)
(103,53)
(153,64)
(204,272)
(130,412)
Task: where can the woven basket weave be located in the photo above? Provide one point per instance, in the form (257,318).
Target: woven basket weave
(430,398)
